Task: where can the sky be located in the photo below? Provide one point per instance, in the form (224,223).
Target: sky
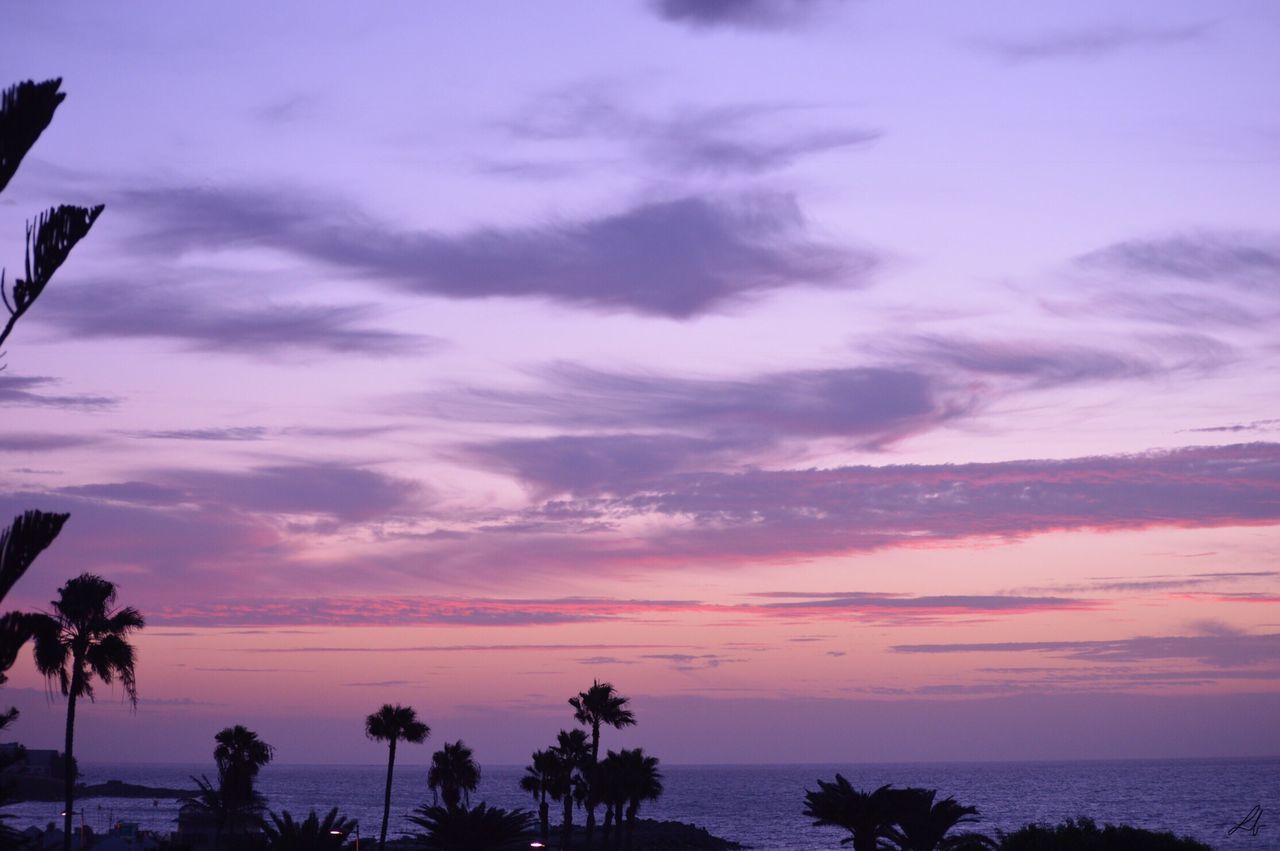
(840,379)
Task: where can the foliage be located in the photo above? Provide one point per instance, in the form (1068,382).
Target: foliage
(1085,835)
(312,834)
(920,824)
(25,111)
(239,754)
(453,775)
(391,724)
(868,816)
(479,829)
(84,637)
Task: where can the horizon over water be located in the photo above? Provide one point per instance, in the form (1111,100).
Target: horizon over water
(762,806)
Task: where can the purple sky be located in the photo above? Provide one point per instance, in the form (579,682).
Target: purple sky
(896,378)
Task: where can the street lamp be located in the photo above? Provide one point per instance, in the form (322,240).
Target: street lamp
(82,828)
(355,830)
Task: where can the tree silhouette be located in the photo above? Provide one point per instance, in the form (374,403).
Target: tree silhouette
(480,829)
(84,637)
(311,834)
(637,779)
(391,724)
(234,804)
(31,533)
(571,757)
(538,777)
(867,816)
(25,111)
(920,824)
(453,775)
(597,706)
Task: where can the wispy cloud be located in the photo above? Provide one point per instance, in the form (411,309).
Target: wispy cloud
(678,257)
(42,442)
(719,141)
(30,391)
(227,433)
(1245,260)
(1225,649)
(748,14)
(1091,42)
(109,309)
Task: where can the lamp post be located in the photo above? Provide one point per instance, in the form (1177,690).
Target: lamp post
(355,830)
(80,813)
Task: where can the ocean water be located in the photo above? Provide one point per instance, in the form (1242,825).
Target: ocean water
(762,805)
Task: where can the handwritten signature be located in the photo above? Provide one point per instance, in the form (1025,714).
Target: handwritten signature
(1251,823)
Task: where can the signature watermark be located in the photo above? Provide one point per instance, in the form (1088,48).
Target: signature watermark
(1251,823)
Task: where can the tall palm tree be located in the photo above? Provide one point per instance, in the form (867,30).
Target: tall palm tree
(391,724)
(453,775)
(567,779)
(638,780)
(82,638)
(868,816)
(537,779)
(595,707)
(923,825)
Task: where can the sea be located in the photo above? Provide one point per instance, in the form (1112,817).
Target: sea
(762,806)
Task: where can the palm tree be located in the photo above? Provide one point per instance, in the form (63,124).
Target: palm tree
(607,789)
(638,780)
(867,816)
(391,724)
(239,753)
(597,706)
(234,804)
(85,636)
(922,825)
(567,779)
(453,775)
(480,829)
(312,834)
(537,779)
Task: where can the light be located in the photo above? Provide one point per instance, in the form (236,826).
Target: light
(536,845)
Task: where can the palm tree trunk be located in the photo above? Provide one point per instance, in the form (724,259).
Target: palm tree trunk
(567,827)
(544,817)
(606,832)
(591,787)
(631,825)
(69,771)
(386,800)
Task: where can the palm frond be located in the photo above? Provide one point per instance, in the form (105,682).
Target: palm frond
(25,111)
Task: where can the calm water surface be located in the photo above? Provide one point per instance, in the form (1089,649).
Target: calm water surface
(761,805)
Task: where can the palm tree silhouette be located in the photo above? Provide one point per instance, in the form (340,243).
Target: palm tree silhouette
(391,724)
(537,779)
(481,829)
(867,816)
(922,825)
(240,754)
(638,780)
(311,834)
(597,706)
(453,775)
(568,784)
(234,804)
(85,636)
